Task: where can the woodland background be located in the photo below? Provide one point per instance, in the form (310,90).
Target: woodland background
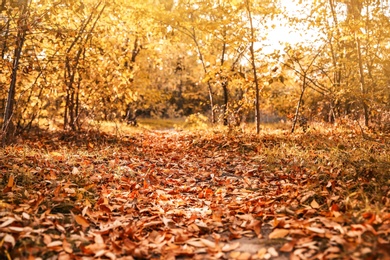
(70,62)
(77,182)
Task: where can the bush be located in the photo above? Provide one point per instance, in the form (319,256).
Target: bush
(196,121)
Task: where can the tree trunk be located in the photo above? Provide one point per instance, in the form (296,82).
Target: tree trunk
(299,104)
(211,98)
(7,129)
(71,68)
(362,83)
(224,84)
(252,51)
(225,101)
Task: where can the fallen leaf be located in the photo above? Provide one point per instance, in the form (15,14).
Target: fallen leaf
(195,242)
(288,247)
(10,183)
(81,221)
(273,252)
(7,222)
(67,246)
(9,239)
(208,243)
(230,246)
(234,254)
(316,230)
(54,243)
(279,233)
(314,204)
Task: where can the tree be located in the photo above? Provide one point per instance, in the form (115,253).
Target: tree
(21,27)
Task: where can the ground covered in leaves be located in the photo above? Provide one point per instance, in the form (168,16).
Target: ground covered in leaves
(195,195)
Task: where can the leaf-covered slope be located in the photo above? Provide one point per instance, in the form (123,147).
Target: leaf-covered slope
(166,194)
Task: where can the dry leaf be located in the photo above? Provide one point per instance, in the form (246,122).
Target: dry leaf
(81,221)
(288,247)
(279,233)
(10,183)
(314,204)
(67,246)
(195,242)
(9,239)
(317,230)
(208,243)
(54,243)
(234,254)
(230,246)
(7,222)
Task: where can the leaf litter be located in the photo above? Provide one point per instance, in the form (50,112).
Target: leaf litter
(187,195)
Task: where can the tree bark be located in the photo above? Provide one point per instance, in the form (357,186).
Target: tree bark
(224,84)
(362,84)
(7,129)
(299,103)
(252,51)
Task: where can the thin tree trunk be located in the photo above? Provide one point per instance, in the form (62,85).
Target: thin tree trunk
(252,51)
(211,98)
(299,104)
(7,128)
(224,83)
(71,69)
(362,83)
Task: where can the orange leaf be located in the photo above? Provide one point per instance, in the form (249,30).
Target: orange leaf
(67,246)
(11,181)
(288,247)
(279,233)
(10,184)
(81,221)
(335,207)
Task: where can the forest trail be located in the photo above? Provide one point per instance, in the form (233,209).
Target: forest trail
(186,195)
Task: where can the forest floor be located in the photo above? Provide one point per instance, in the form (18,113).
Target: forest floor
(195,195)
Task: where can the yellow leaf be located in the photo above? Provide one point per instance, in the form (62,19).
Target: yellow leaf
(279,233)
